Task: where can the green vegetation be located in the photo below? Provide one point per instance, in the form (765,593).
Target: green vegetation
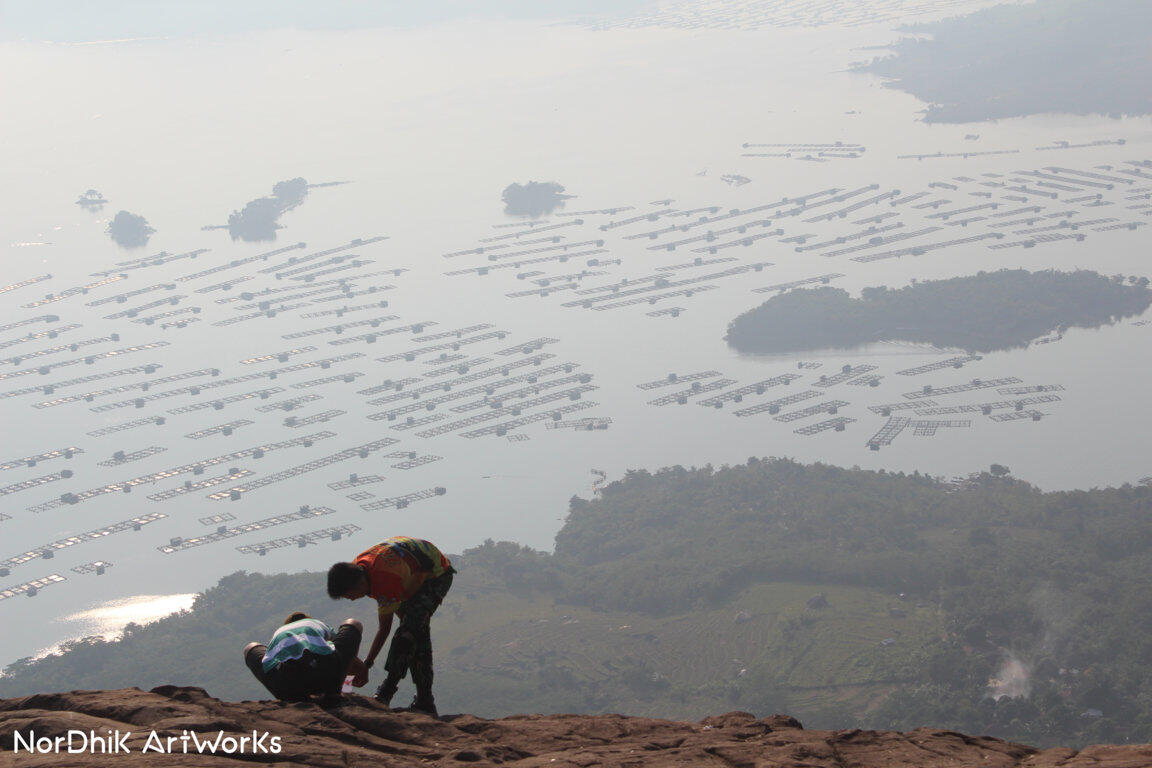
(259,219)
(1077,56)
(130,230)
(688,592)
(985,312)
(534,199)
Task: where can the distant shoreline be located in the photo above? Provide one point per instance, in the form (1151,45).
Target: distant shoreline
(1061,56)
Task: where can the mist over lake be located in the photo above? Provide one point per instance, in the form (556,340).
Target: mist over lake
(741,124)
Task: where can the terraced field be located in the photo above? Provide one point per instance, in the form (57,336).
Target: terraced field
(763,649)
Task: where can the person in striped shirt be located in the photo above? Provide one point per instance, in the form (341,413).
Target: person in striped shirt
(409,578)
(306,658)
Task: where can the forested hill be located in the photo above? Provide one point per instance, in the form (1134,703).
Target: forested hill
(1063,56)
(845,597)
(985,312)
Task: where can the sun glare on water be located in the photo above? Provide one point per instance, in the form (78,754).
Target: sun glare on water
(107,620)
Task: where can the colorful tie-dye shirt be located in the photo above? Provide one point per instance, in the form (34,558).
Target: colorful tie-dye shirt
(398,567)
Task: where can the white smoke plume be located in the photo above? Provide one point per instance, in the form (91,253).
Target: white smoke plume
(1012,680)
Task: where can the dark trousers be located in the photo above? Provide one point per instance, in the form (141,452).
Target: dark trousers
(312,673)
(411,647)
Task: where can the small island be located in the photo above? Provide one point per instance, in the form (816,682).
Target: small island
(534,199)
(1072,56)
(130,230)
(260,218)
(91,199)
(986,312)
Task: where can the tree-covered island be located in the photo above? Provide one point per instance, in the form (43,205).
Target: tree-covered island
(130,230)
(985,312)
(259,218)
(534,199)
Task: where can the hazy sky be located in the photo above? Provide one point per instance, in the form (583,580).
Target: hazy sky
(80,20)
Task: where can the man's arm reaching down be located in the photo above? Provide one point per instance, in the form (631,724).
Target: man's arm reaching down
(381,635)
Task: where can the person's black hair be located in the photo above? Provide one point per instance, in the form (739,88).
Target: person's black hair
(296,616)
(343,577)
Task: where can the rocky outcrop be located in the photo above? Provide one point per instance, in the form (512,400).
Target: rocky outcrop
(182,727)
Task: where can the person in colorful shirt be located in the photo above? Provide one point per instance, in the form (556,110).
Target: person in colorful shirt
(305,658)
(409,578)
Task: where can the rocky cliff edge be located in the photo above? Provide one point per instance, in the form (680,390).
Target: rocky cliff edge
(173,726)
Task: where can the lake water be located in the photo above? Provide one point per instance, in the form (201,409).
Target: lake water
(429,125)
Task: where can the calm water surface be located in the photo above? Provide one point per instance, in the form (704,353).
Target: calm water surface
(429,125)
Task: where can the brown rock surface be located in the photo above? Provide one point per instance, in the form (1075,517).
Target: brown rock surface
(361,732)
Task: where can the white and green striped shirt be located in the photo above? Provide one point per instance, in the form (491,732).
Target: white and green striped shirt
(291,640)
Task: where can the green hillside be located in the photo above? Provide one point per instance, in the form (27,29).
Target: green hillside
(762,649)
(688,592)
